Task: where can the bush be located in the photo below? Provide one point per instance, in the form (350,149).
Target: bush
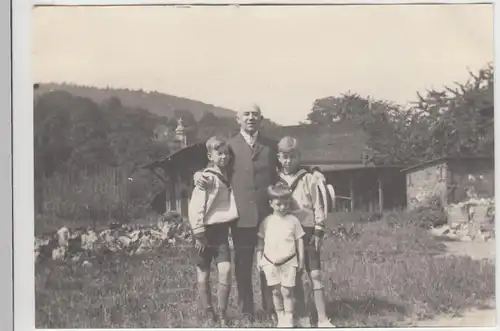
(430,213)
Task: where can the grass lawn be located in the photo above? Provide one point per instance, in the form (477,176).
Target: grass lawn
(378,278)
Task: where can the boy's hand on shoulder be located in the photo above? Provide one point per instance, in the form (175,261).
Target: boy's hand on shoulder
(318,176)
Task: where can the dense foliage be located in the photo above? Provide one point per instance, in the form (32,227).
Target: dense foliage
(87,155)
(448,122)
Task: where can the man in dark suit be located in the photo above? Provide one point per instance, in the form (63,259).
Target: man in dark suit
(253,169)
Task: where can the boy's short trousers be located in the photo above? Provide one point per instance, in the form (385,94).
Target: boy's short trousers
(283,274)
(312,259)
(217,246)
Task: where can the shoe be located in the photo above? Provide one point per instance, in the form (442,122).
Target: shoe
(326,324)
(304,322)
(285,321)
(247,318)
(210,314)
(279,319)
(274,318)
(223,322)
(209,317)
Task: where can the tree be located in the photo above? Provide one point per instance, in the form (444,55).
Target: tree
(449,122)
(211,125)
(208,119)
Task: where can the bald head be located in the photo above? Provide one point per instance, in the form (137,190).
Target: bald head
(250,119)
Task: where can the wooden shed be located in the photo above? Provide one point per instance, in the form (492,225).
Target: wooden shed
(176,172)
(339,151)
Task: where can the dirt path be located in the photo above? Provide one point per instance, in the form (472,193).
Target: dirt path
(476,250)
(473,317)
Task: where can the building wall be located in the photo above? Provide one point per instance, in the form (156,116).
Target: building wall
(476,175)
(423,183)
(450,181)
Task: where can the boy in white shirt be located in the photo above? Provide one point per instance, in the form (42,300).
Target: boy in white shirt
(211,212)
(307,207)
(280,252)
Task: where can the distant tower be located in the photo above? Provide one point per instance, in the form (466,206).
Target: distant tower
(180,133)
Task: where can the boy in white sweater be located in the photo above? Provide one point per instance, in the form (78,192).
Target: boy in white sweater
(307,207)
(211,212)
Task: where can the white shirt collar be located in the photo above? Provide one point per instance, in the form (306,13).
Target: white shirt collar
(250,139)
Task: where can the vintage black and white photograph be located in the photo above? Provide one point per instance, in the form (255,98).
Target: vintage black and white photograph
(313,166)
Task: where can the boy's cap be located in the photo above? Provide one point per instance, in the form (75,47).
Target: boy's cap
(279,191)
(215,142)
(288,144)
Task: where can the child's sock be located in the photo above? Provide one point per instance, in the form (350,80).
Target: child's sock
(287,319)
(279,316)
(222,298)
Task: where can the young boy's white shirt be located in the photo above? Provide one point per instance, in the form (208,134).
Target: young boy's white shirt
(211,206)
(306,204)
(280,234)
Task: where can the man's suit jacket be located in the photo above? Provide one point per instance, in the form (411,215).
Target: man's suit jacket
(251,172)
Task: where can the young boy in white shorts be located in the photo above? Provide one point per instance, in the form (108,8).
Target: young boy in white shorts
(307,207)
(211,212)
(280,252)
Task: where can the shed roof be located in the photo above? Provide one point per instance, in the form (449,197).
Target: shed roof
(445,159)
(325,167)
(192,154)
(339,146)
(338,143)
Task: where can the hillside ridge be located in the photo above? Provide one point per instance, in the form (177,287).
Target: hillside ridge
(158,103)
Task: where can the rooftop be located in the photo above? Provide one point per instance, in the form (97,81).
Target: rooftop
(341,143)
(447,159)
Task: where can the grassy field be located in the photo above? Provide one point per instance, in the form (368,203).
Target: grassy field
(378,277)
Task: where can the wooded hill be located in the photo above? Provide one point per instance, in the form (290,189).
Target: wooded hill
(157,103)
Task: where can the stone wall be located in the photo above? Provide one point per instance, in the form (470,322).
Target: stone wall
(86,244)
(453,181)
(424,182)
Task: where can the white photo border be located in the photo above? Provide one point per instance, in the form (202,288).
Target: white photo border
(6,253)
(17,145)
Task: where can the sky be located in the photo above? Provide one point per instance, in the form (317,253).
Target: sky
(282,58)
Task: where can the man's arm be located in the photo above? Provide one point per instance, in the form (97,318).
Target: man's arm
(260,244)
